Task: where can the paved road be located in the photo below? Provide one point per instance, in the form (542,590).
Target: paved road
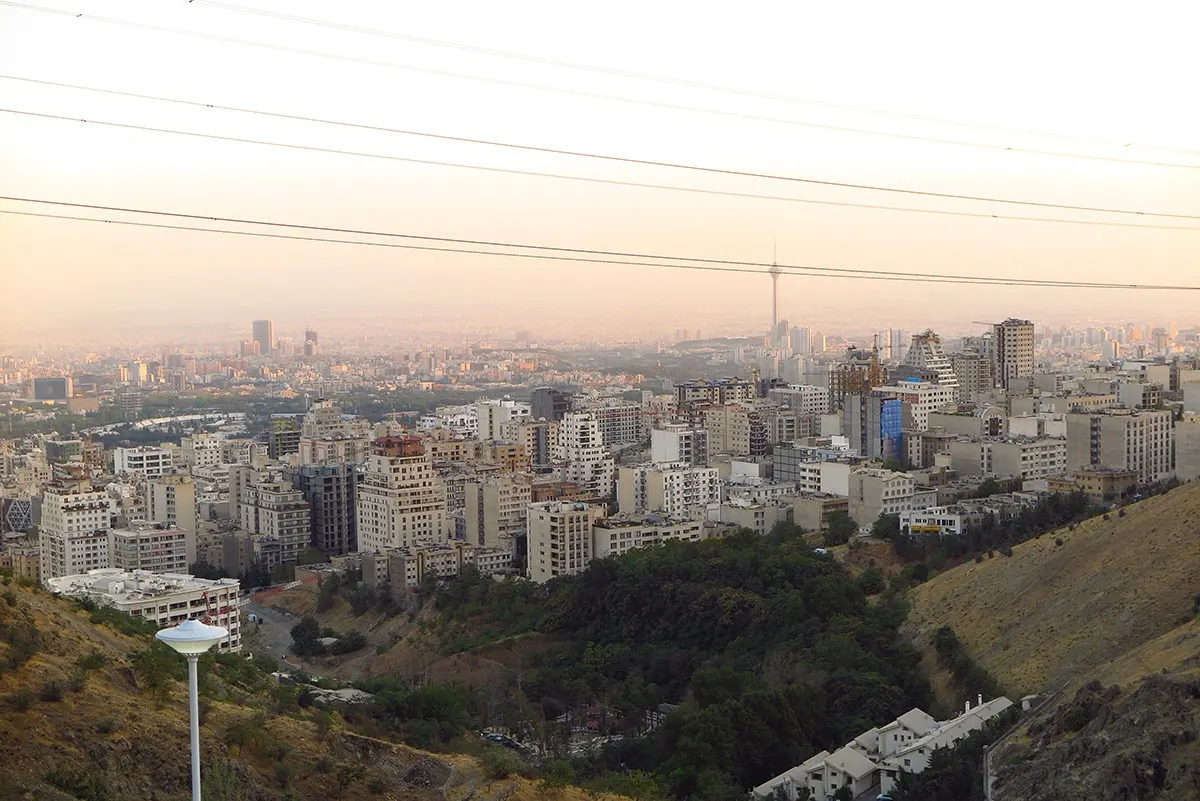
(273,635)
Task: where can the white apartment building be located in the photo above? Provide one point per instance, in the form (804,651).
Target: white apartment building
(172,500)
(560,538)
(614,536)
(1030,458)
(620,422)
(937,520)
(166,599)
(585,459)
(875,492)
(671,489)
(495,509)
(920,398)
(926,353)
(401,500)
(802,398)
(201,450)
(153,547)
(679,442)
(149,462)
(340,448)
(74,529)
(490,415)
(1187,448)
(1124,440)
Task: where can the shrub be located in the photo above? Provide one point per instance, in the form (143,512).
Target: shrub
(10,597)
(107,725)
(78,682)
(84,786)
(20,701)
(93,661)
(283,774)
(1058,541)
(323,765)
(500,762)
(51,691)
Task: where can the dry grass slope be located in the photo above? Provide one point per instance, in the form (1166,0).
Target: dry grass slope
(1053,612)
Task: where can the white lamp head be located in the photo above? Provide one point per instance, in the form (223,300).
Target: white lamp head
(192,637)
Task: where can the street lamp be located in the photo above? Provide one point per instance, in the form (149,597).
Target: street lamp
(192,638)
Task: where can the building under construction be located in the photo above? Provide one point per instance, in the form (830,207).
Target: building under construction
(859,372)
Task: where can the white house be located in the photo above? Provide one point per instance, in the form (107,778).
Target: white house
(872,761)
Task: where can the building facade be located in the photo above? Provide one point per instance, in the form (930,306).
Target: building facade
(401,500)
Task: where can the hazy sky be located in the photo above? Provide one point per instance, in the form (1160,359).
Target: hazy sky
(1107,72)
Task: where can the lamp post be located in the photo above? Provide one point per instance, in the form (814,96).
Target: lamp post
(192,638)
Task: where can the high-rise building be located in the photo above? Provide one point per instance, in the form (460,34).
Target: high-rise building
(401,500)
(310,336)
(52,388)
(920,399)
(283,438)
(974,373)
(550,404)
(1122,439)
(1013,342)
(331,490)
(74,528)
(926,354)
(171,500)
(495,509)
(737,429)
(671,489)
(280,513)
(679,442)
(201,450)
(874,425)
(263,332)
(560,538)
(586,460)
(492,414)
(144,460)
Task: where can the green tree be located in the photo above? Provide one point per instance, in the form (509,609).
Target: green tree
(841,528)
(886,527)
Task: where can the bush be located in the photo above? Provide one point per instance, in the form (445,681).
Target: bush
(20,701)
(1058,541)
(107,725)
(10,597)
(78,682)
(500,762)
(323,765)
(51,691)
(93,661)
(872,582)
(84,786)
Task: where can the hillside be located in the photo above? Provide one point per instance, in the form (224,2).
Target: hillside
(1071,601)
(1125,730)
(80,722)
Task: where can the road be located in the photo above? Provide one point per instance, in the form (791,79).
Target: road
(273,635)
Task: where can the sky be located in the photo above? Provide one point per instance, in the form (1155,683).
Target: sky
(1102,80)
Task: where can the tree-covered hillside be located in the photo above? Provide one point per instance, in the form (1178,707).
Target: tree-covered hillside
(771,652)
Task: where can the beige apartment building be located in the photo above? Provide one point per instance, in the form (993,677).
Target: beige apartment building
(1122,439)
(496,509)
(401,500)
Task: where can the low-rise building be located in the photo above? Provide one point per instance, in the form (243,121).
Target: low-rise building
(619,534)
(166,599)
(1028,457)
(812,511)
(411,567)
(872,762)
(758,517)
(1102,485)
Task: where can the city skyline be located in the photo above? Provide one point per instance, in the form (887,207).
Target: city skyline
(117,273)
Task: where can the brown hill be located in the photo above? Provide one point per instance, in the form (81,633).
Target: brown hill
(77,725)
(1073,600)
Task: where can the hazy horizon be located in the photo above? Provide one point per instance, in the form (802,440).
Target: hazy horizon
(1034,68)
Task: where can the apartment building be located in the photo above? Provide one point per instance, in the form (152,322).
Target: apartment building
(560,538)
(802,398)
(338,448)
(492,414)
(153,547)
(166,599)
(411,567)
(201,450)
(737,429)
(1187,448)
(74,529)
(331,491)
(875,492)
(671,489)
(585,460)
(926,354)
(721,391)
(1122,439)
(1030,458)
(679,442)
(620,422)
(920,398)
(171,500)
(620,534)
(401,500)
(812,511)
(1014,342)
(146,461)
(496,509)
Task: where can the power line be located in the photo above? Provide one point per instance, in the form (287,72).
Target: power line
(760,267)
(723,89)
(615,182)
(595,95)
